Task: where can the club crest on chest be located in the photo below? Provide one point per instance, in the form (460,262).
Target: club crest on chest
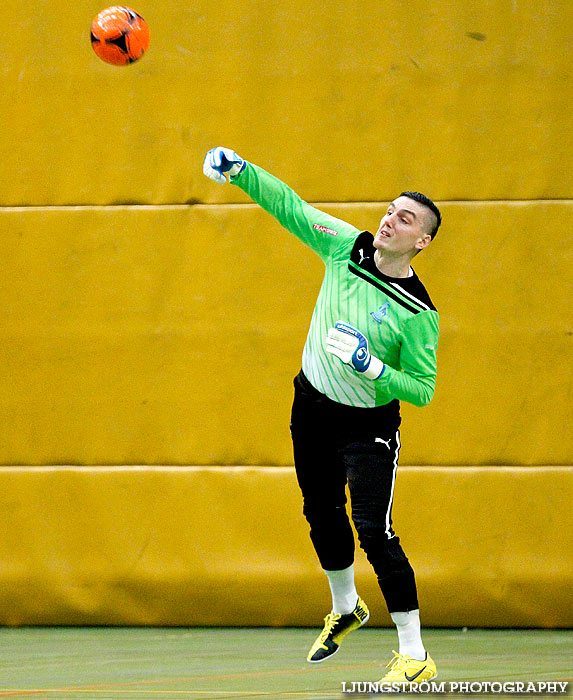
(381,313)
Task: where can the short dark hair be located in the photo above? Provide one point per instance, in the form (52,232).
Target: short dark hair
(427,202)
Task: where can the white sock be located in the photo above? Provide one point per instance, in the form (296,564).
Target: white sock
(409,634)
(344,595)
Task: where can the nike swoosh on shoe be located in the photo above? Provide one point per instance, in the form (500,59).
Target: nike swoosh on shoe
(412,678)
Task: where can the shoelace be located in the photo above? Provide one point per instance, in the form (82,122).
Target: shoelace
(396,661)
(329,621)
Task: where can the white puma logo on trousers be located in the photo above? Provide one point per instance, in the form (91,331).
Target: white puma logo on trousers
(386,442)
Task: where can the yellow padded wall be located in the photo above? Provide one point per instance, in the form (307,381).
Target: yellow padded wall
(169,334)
(188,546)
(143,335)
(352,103)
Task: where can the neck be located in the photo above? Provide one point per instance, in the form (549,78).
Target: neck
(392,267)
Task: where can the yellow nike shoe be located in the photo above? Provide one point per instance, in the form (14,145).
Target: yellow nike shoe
(405,669)
(336,627)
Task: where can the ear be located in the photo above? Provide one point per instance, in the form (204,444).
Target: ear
(423,242)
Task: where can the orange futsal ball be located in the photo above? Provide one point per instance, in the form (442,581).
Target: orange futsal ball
(119,35)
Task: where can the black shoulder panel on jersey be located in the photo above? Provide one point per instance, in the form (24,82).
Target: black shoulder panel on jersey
(413,287)
(414,296)
(363,252)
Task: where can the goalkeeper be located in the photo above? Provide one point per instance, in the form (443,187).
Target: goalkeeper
(371,344)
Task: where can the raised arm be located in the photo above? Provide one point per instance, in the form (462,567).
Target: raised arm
(318,230)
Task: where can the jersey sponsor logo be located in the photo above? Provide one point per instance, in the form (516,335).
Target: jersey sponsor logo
(384,442)
(381,313)
(325,229)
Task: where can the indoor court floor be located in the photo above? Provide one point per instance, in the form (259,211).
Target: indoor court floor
(73,663)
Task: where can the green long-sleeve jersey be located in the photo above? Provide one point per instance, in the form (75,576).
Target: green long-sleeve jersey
(395,314)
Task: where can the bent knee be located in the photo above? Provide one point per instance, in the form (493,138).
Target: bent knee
(320,509)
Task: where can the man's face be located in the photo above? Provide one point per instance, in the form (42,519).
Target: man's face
(404,228)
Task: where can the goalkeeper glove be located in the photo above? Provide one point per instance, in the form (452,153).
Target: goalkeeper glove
(351,346)
(222,160)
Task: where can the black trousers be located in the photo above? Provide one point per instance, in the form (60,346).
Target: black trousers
(333,445)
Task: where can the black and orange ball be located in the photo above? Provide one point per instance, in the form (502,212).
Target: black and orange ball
(119,35)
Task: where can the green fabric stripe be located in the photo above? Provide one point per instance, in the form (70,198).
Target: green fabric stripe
(390,288)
